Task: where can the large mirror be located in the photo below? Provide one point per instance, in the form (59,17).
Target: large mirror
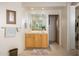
(38,22)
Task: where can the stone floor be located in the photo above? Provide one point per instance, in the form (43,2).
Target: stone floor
(54,50)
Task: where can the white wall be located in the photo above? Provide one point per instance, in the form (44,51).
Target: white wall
(64,27)
(14,42)
(71,27)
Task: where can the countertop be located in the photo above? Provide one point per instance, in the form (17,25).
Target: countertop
(38,32)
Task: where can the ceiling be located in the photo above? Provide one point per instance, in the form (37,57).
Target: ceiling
(43,4)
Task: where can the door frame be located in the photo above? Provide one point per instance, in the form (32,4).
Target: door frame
(56,31)
(75,18)
(71,33)
(59,14)
(77,5)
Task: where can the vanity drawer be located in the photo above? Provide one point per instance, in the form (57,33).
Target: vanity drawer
(37,41)
(44,43)
(29,35)
(29,43)
(45,36)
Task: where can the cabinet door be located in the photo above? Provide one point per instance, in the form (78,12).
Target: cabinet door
(29,43)
(44,40)
(38,43)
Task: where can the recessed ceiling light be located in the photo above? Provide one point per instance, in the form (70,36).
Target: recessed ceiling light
(32,8)
(42,8)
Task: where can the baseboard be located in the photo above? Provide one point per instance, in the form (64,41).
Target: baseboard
(50,42)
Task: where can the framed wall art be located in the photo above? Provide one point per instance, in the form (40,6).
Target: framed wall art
(11,17)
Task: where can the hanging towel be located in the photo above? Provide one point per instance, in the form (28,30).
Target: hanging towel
(10,32)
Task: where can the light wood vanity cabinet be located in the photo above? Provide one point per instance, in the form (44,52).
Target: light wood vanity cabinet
(44,40)
(36,40)
(29,42)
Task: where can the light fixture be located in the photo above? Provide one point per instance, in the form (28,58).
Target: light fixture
(32,8)
(42,8)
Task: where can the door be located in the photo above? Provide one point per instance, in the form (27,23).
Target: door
(53,29)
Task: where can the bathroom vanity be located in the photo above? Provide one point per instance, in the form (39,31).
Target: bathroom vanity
(37,36)
(36,40)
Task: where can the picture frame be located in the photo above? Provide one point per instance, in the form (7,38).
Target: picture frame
(11,17)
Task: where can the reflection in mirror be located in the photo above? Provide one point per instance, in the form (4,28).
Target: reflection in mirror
(38,22)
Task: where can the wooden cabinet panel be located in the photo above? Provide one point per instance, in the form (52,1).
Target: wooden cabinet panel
(36,41)
(27,35)
(44,44)
(44,40)
(29,42)
(45,36)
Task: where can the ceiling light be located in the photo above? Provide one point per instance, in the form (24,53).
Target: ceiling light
(42,8)
(32,8)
